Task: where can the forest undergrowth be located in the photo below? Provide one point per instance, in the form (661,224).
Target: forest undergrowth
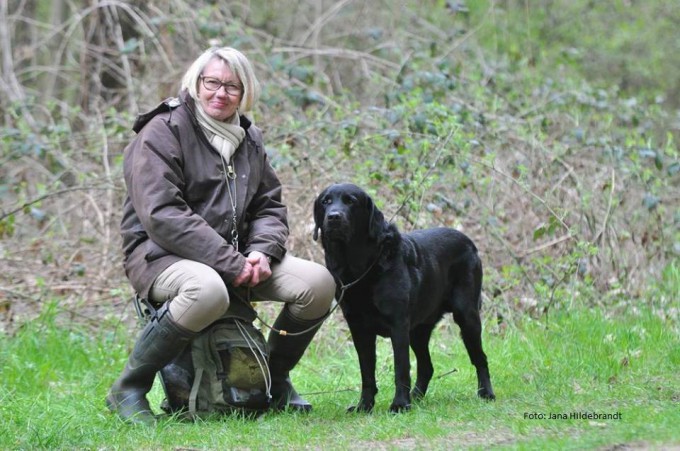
(492,117)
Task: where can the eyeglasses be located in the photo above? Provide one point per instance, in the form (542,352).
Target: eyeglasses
(213,84)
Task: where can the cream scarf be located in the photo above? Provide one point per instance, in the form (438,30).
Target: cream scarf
(224,136)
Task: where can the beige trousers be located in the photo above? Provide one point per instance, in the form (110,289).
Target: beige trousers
(198,295)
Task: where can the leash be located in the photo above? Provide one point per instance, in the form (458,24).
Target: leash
(343,289)
(145,310)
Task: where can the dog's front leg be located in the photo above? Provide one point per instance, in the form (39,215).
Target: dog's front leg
(402,367)
(364,343)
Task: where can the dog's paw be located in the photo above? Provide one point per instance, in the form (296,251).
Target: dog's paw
(400,407)
(487,394)
(361,407)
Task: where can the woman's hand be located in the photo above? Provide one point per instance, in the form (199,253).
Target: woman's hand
(245,275)
(260,268)
(255,271)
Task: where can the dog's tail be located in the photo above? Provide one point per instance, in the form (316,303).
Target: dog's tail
(478,277)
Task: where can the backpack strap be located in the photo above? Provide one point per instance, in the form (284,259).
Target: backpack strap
(193,395)
(145,311)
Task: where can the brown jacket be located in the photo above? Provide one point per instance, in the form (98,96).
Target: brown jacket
(178,204)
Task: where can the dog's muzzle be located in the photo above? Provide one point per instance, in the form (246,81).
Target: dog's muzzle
(335,225)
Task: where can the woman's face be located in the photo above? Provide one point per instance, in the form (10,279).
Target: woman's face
(222,103)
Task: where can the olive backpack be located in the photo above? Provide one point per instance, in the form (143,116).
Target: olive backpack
(223,370)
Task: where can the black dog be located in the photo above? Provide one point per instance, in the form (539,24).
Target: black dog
(405,283)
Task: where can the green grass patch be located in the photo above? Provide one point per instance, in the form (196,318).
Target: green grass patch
(575,363)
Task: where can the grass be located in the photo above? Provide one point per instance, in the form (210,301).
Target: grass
(54,380)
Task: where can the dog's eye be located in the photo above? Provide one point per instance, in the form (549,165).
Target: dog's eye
(325,201)
(349,200)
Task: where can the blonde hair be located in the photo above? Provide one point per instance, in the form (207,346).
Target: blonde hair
(238,64)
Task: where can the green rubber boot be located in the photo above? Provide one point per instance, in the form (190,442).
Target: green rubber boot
(161,340)
(285,351)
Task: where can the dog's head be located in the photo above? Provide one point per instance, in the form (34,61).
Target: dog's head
(345,211)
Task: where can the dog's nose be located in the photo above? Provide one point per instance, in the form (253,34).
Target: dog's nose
(333,216)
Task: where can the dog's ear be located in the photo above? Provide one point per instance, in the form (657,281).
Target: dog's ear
(318,215)
(376,220)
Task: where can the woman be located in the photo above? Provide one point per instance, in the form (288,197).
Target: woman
(204,213)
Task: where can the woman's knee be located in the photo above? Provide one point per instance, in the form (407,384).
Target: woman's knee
(213,296)
(324,286)
(315,300)
(197,294)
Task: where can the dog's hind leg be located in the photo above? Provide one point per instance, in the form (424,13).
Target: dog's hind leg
(420,339)
(471,331)
(470,324)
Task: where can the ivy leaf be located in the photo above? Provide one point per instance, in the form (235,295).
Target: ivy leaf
(539,232)
(650,201)
(673,169)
